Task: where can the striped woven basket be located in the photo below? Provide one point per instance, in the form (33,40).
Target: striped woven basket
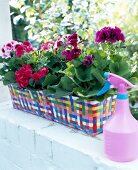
(87,116)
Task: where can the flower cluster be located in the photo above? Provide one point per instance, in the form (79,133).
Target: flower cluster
(52,67)
(88,60)
(52,45)
(25,73)
(74,52)
(70,44)
(17,47)
(109,34)
(22,48)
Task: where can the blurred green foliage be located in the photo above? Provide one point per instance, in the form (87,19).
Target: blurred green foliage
(42,20)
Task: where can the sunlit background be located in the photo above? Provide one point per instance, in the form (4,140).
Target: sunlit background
(39,20)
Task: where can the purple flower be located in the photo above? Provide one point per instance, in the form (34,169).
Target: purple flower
(120,35)
(109,34)
(88,60)
(72,39)
(71,54)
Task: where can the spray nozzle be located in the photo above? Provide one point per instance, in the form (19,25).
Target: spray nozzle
(118,82)
(106,75)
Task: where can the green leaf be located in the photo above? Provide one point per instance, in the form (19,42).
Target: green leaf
(84,74)
(49,79)
(96,73)
(2,71)
(92,93)
(76,62)
(1,60)
(67,83)
(121,68)
(62,92)
(51,89)
(134,80)
(79,92)
(9,78)
(6,82)
(32,83)
(69,70)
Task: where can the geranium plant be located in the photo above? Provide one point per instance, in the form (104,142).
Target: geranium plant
(65,67)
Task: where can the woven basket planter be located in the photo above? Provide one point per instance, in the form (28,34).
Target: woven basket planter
(87,116)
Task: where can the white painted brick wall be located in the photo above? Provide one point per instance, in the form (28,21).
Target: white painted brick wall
(31,143)
(5,24)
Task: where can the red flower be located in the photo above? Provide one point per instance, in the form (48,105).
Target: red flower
(28,47)
(19,50)
(23,75)
(40,74)
(25,47)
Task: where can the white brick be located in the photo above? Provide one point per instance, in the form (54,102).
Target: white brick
(12,166)
(12,131)
(3,162)
(38,163)
(27,139)
(43,147)
(70,159)
(3,133)
(15,154)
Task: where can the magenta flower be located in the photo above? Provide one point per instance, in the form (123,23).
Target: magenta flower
(72,39)
(88,60)
(71,54)
(109,34)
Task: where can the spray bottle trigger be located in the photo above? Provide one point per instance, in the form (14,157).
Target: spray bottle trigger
(104,89)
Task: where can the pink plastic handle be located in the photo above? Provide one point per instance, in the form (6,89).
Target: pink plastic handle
(117,80)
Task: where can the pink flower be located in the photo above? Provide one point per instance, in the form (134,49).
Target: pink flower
(58,43)
(47,46)
(17,47)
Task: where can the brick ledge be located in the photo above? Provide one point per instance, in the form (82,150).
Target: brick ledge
(28,142)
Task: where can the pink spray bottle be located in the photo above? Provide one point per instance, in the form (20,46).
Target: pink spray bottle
(121,131)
